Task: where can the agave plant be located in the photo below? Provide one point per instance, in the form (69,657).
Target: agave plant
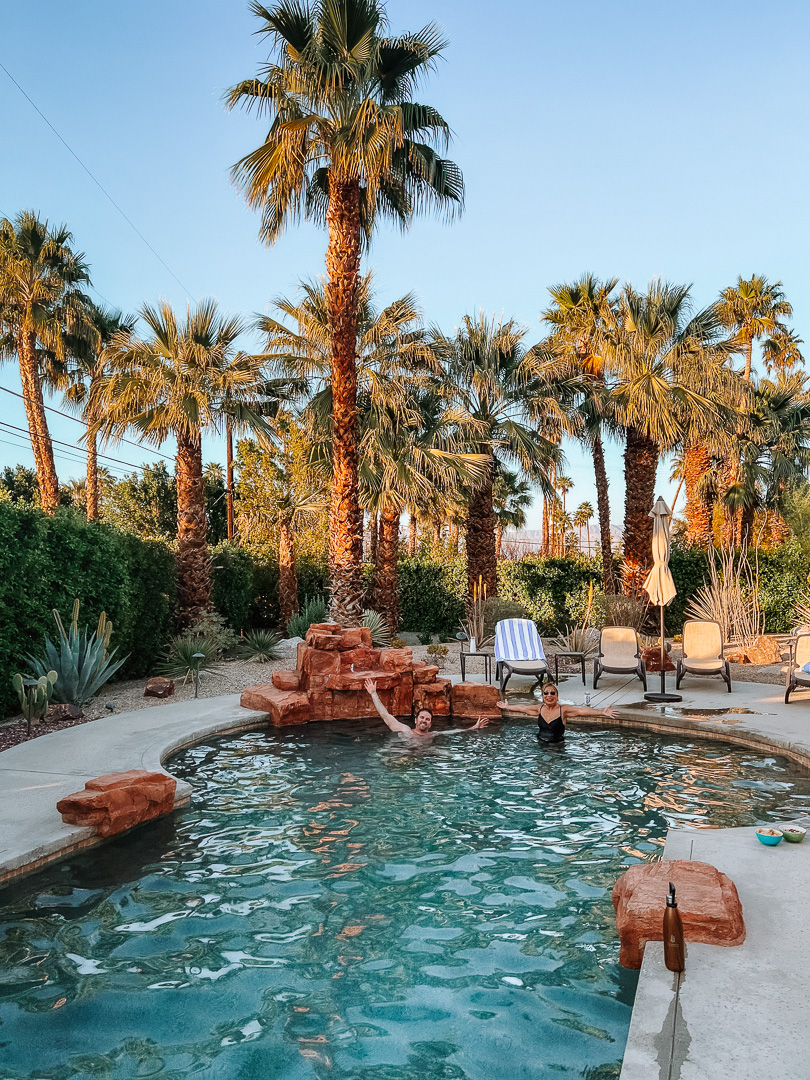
(80,659)
(380,632)
(313,611)
(258,646)
(185,652)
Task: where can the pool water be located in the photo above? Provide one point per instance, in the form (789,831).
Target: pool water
(339,904)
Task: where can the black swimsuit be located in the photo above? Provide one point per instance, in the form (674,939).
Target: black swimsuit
(550,731)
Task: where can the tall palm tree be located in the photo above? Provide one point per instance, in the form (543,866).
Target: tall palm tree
(753,309)
(657,353)
(582,519)
(179,381)
(40,303)
(781,352)
(511,498)
(579,314)
(346,146)
(495,391)
(80,381)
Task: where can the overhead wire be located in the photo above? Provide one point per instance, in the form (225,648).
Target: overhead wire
(72,446)
(99,185)
(76,420)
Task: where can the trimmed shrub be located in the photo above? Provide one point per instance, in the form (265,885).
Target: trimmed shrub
(553,591)
(234,584)
(431,594)
(48,561)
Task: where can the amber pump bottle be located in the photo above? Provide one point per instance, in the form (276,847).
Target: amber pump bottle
(673,933)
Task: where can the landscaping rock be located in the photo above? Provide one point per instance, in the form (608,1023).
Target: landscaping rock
(285,680)
(57,714)
(159,687)
(738,658)
(283,706)
(474,700)
(396,659)
(424,673)
(765,650)
(707,900)
(317,639)
(361,657)
(652,659)
(355,637)
(118,801)
(434,696)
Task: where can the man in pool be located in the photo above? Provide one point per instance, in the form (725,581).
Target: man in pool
(551,715)
(422,721)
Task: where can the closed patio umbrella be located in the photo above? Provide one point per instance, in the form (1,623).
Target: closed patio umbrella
(659,585)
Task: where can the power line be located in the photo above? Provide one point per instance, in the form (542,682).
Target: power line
(98,184)
(71,446)
(60,455)
(76,420)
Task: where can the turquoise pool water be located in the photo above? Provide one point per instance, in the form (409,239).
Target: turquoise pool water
(336,904)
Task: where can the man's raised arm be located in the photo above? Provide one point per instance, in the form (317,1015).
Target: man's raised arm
(386,717)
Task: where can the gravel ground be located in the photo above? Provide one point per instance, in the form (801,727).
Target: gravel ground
(237,675)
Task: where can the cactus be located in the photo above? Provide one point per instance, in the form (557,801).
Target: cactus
(34,700)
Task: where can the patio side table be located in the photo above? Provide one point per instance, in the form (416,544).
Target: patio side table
(578,657)
(488,658)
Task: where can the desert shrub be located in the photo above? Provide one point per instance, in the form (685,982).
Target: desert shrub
(260,646)
(380,631)
(313,610)
(213,627)
(180,663)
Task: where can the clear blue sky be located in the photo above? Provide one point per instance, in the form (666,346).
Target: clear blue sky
(631,139)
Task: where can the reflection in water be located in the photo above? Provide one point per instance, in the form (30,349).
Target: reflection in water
(337,905)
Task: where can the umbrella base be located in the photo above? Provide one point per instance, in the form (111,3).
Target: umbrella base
(663,697)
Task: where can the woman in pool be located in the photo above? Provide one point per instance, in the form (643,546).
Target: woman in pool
(551,715)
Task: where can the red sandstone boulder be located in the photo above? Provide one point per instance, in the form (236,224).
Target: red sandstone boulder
(285,680)
(313,662)
(474,700)
(401,701)
(283,706)
(707,900)
(159,687)
(362,658)
(396,659)
(326,627)
(316,639)
(320,704)
(354,680)
(434,696)
(117,801)
(652,659)
(424,673)
(356,704)
(355,637)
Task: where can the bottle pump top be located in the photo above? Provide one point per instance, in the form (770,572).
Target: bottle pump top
(671,901)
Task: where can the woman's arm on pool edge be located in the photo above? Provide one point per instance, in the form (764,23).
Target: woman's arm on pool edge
(570,710)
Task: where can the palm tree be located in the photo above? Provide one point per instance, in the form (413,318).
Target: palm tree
(40,302)
(781,352)
(346,146)
(511,498)
(658,355)
(495,391)
(81,378)
(581,519)
(753,309)
(579,315)
(178,382)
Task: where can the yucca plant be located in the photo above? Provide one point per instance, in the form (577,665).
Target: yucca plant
(380,632)
(180,663)
(731,598)
(258,646)
(313,611)
(80,659)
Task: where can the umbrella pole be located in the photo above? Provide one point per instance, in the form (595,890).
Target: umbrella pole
(663,695)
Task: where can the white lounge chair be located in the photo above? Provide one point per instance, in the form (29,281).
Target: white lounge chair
(619,654)
(702,651)
(519,651)
(799,656)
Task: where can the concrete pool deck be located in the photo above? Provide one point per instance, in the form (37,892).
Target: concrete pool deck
(735,1013)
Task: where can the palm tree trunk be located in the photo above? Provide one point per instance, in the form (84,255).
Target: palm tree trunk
(41,444)
(749,351)
(746,515)
(193,563)
(287,578)
(778,528)
(346,519)
(412,534)
(726,475)
(498,541)
(544,543)
(482,561)
(640,467)
(603,507)
(385,597)
(588,536)
(699,504)
(437,536)
(373,540)
(92,478)
(229,476)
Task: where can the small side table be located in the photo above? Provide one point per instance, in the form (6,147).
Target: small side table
(488,658)
(578,657)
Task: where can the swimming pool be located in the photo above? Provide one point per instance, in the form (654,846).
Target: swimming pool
(337,903)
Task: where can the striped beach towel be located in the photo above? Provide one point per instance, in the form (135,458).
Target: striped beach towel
(517,639)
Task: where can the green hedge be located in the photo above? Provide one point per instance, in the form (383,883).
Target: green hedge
(48,561)
(431,594)
(783,576)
